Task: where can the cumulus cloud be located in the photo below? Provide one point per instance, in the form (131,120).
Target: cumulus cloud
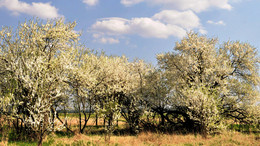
(216,23)
(38,9)
(195,5)
(175,19)
(147,27)
(162,25)
(186,19)
(111,26)
(90,2)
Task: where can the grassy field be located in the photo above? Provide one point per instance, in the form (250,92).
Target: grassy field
(95,136)
(227,138)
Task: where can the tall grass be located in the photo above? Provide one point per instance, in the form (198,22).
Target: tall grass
(94,135)
(148,138)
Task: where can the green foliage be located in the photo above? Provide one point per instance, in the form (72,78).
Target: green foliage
(245,128)
(63,134)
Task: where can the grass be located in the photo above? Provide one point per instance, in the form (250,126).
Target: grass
(245,128)
(145,139)
(94,136)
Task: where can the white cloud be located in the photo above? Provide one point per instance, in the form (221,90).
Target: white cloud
(90,2)
(130,2)
(108,40)
(216,23)
(176,18)
(162,25)
(105,40)
(111,26)
(203,31)
(38,9)
(147,27)
(195,5)
(186,19)
(237,1)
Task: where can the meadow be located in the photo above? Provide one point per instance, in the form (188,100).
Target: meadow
(93,135)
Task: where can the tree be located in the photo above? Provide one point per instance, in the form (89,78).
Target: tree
(156,94)
(110,83)
(211,83)
(35,61)
(83,81)
(114,83)
(133,103)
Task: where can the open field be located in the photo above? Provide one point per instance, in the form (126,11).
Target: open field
(227,138)
(95,136)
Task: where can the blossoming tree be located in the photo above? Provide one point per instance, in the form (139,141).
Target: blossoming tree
(211,83)
(35,59)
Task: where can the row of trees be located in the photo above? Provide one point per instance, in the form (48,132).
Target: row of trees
(197,87)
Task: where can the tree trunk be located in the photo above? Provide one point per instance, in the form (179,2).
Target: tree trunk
(86,118)
(66,125)
(85,122)
(96,120)
(162,119)
(79,121)
(109,122)
(40,140)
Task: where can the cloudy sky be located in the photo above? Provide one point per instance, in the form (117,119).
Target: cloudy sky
(143,28)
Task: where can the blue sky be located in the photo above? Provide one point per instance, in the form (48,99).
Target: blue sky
(143,28)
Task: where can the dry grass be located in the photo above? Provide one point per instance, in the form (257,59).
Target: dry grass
(228,138)
(143,139)
(3,143)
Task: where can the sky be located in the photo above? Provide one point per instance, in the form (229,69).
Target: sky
(143,28)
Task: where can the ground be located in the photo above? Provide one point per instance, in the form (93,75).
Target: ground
(94,136)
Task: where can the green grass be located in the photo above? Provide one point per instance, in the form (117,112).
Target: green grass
(245,128)
(21,143)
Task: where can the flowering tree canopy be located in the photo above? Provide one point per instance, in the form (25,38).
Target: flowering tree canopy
(211,83)
(35,60)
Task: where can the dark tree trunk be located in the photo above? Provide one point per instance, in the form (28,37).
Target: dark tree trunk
(79,121)
(162,120)
(40,139)
(109,122)
(66,125)
(86,118)
(96,120)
